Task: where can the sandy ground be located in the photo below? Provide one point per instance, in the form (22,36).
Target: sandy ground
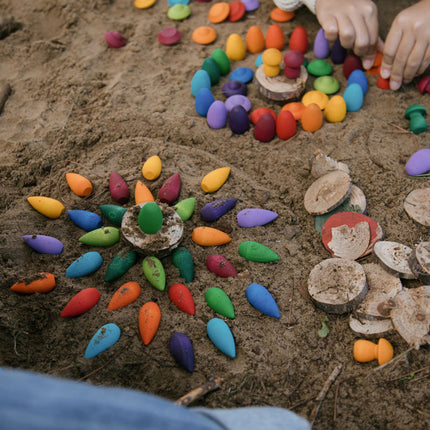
(79,106)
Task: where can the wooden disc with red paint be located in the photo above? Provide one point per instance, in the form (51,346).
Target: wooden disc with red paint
(332,229)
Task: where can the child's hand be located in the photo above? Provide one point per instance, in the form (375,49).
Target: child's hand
(355,22)
(406,52)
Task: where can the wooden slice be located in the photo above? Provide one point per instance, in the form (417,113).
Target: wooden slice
(419,262)
(321,164)
(417,206)
(337,285)
(411,316)
(382,289)
(357,199)
(351,219)
(370,328)
(327,192)
(160,243)
(394,257)
(280,88)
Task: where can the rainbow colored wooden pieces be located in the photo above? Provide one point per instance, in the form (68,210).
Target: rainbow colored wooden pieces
(179,12)
(47,206)
(104,236)
(299,40)
(183,260)
(127,293)
(103,339)
(262,300)
(200,80)
(79,184)
(81,303)
(312,118)
(265,128)
(365,350)
(219,12)
(203,101)
(204,35)
(182,351)
(169,36)
(255,251)
(181,296)
(169,191)
(335,110)
(275,37)
(424,84)
(215,179)
(219,302)
(120,264)
(115,39)
(144,4)
(338,52)
(272,58)
(118,188)
(185,208)
(293,61)
(327,84)
(85,220)
(41,283)
(217,115)
(321,45)
(142,194)
(220,334)
(419,162)
(151,168)
(216,209)
(415,114)
(85,265)
(286,125)
(319,68)
(220,266)
(149,321)
(255,41)
(43,244)
(316,97)
(222,60)
(208,236)
(351,63)
(154,272)
(280,15)
(238,120)
(150,218)
(113,213)
(257,113)
(211,66)
(358,77)
(235,47)
(252,217)
(353,97)
(237,10)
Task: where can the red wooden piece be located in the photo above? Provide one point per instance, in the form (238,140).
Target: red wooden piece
(180,295)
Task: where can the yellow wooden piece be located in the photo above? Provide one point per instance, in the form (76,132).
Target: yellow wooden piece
(235,47)
(272,57)
(79,184)
(271,71)
(46,206)
(143,4)
(214,180)
(151,169)
(317,97)
(335,111)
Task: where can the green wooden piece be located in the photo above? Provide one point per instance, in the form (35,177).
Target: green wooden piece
(150,218)
(120,264)
(113,213)
(345,206)
(104,236)
(255,251)
(219,301)
(320,68)
(211,66)
(222,60)
(185,208)
(183,260)
(154,272)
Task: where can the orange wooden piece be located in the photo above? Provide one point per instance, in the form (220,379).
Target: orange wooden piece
(256,113)
(365,350)
(142,194)
(275,37)
(219,12)
(79,184)
(312,118)
(180,295)
(208,236)
(299,40)
(255,41)
(40,283)
(296,108)
(204,35)
(149,320)
(280,15)
(124,295)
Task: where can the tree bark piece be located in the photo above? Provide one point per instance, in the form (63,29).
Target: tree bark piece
(394,257)
(197,393)
(419,262)
(417,206)
(321,164)
(370,328)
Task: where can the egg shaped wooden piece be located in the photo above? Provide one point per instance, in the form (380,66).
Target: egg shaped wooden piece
(120,264)
(183,260)
(85,220)
(275,37)
(353,97)
(127,293)
(216,209)
(208,236)
(238,120)
(221,336)
(321,45)
(85,265)
(335,110)
(261,299)
(419,162)
(203,101)
(113,213)
(235,47)
(151,168)
(256,114)
(351,63)
(201,79)
(237,99)
(180,296)
(299,40)
(118,188)
(217,115)
(153,270)
(338,52)
(219,302)
(220,266)
(222,60)
(150,218)
(255,41)
(265,128)
(258,252)
(312,118)
(169,191)
(211,66)
(142,194)
(252,217)
(79,184)
(286,125)
(182,351)
(81,303)
(47,206)
(149,321)
(103,339)
(185,208)
(104,236)
(115,39)
(357,76)
(41,283)
(215,179)
(43,244)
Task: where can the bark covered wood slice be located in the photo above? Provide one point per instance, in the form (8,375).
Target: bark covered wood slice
(382,289)
(419,262)
(417,206)
(337,285)
(411,316)
(327,192)
(370,328)
(320,164)
(394,257)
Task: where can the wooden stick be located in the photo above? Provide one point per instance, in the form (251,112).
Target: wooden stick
(321,396)
(197,393)
(4,95)
(336,392)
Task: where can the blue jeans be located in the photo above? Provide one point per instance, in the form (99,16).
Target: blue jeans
(33,401)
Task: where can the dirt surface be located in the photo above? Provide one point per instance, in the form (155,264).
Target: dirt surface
(79,106)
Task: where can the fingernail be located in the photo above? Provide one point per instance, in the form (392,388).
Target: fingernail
(395,85)
(385,73)
(367,63)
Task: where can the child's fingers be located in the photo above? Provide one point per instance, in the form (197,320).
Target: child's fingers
(329,25)
(414,61)
(346,32)
(400,59)
(426,61)
(390,48)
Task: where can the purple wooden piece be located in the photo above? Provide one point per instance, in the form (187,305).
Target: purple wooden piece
(43,244)
(182,351)
(254,216)
(216,209)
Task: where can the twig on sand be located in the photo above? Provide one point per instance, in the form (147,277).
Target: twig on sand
(102,366)
(321,396)
(411,375)
(4,95)
(398,357)
(336,392)
(399,129)
(291,305)
(197,393)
